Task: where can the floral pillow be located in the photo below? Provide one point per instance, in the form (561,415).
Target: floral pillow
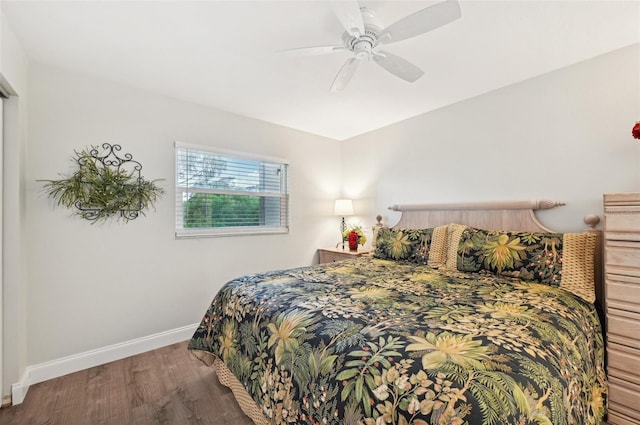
(407,245)
(557,259)
(528,256)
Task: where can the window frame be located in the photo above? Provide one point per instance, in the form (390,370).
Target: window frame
(200,232)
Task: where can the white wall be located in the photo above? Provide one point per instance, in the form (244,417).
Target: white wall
(562,136)
(95,285)
(13,67)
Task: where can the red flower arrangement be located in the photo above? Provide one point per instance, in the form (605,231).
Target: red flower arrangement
(635,131)
(353,241)
(355,236)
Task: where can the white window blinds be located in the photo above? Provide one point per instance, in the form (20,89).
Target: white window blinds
(221,193)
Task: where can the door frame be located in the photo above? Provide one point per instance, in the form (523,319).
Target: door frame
(5,92)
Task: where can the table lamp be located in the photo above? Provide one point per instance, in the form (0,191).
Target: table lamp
(343,207)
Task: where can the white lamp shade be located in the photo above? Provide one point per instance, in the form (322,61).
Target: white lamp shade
(344,207)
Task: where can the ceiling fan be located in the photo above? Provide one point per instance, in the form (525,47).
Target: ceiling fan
(364,36)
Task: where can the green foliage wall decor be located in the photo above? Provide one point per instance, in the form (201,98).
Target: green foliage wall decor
(105,185)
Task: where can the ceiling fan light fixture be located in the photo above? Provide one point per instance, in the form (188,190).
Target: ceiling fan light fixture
(362,49)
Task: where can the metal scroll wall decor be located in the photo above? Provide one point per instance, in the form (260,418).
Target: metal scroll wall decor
(105,185)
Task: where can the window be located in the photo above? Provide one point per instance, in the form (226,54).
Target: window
(221,193)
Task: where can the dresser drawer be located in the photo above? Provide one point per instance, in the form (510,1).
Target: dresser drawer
(622,257)
(623,363)
(623,327)
(623,292)
(618,415)
(622,223)
(625,396)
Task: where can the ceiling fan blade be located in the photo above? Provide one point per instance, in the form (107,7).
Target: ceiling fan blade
(344,75)
(399,67)
(349,15)
(422,21)
(312,51)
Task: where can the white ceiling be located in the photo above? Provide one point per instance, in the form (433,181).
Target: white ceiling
(223,53)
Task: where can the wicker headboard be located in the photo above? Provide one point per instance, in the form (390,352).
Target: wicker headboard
(498,215)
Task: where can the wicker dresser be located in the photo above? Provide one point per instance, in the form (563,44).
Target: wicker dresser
(622,289)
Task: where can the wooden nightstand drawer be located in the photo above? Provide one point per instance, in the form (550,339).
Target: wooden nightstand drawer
(330,255)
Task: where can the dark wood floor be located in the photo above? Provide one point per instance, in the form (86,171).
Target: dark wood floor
(161,387)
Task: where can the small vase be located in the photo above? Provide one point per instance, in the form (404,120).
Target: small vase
(353,241)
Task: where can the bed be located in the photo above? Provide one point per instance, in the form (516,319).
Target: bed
(450,322)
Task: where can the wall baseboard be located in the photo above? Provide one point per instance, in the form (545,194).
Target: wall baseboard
(20,388)
(74,363)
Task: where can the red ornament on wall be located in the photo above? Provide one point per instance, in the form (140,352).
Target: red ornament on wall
(635,131)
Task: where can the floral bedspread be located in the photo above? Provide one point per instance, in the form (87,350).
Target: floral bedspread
(370,341)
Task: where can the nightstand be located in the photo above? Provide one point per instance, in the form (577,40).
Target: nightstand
(330,255)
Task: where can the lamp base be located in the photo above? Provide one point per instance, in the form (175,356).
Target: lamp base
(343,227)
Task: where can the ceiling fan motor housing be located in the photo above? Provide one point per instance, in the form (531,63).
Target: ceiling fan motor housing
(363,44)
